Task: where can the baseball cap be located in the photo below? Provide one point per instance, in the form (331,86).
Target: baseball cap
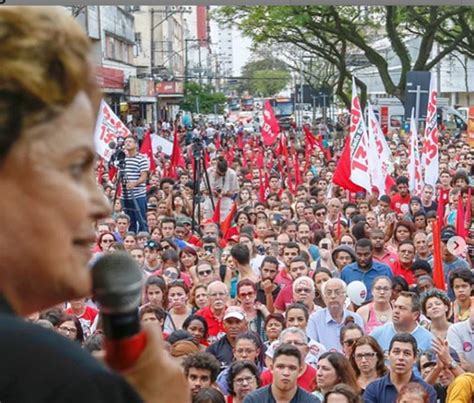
(447,234)
(234,313)
(184,220)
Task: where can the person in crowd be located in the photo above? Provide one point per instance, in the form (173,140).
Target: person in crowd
(241,255)
(177,297)
(462,389)
(379,310)
(367,360)
(461,281)
(208,395)
(342,393)
(197,326)
(334,368)
(342,256)
(403,265)
(402,354)
(325,324)
(274,325)
(436,306)
(70,327)
(350,333)
(198,298)
(413,393)
(365,269)
(154,291)
(287,367)
(243,378)
(405,315)
(461,338)
(255,312)
(267,289)
(200,370)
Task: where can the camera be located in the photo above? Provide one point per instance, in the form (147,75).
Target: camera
(117,159)
(260,249)
(197,147)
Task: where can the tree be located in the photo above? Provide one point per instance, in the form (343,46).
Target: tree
(202,99)
(343,34)
(267,76)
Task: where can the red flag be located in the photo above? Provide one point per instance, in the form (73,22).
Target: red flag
(270,128)
(147,150)
(343,170)
(217,212)
(227,223)
(438,274)
(468,214)
(217,141)
(442,201)
(112,172)
(298,179)
(177,158)
(260,162)
(338,227)
(263,191)
(460,220)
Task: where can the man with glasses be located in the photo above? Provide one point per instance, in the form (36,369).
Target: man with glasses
(218,295)
(402,354)
(365,269)
(403,266)
(325,325)
(234,324)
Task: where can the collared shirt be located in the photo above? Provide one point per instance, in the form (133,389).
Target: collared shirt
(265,395)
(405,272)
(215,324)
(323,328)
(353,272)
(223,351)
(388,258)
(383,390)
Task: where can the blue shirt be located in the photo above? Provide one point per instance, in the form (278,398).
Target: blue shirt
(383,390)
(352,272)
(457,263)
(323,328)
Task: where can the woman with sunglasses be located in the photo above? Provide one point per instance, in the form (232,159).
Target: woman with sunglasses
(349,334)
(177,297)
(104,242)
(367,360)
(379,310)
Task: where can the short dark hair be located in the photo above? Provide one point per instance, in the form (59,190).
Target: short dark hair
(240,253)
(402,180)
(289,350)
(204,361)
(270,259)
(167,220)
(463,274)
(363,243)
(404,338)
(236,368)
(415,300)
(292,245)
(199,318)
(297,305)
(209,395)
(385,199)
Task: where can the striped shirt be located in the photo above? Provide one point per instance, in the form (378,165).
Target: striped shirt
(134,166)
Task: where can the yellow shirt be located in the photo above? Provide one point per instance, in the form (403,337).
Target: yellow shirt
(462,389)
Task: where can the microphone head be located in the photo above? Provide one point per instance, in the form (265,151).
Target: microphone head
(112,145)
(117,283)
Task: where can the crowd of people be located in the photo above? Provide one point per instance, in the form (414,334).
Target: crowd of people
(246,275)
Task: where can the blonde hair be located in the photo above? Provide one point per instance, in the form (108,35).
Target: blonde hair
(45,62)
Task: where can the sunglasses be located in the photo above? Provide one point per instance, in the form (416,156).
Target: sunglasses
(350,342)
(171,274)
(303,290)
(205,273)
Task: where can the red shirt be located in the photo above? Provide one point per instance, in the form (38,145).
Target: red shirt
(306,381)
(388,258)
(398,201)
(87,318)
(283,279)
(284,298)
(215,324)
(405,272)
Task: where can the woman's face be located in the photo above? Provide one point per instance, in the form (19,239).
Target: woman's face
(261,229)
(68,329)
(365,358)
(154,295)
(156,235)
(402,234)
(196,328)
(327,376)
(415,207)
(243,220)
(382,291)
(371,219)
(177,298)
(106,242)
(364,208)
(273,329)
(396,290)
(350,337)
(435,308)
(187,259)
(300,209)
(347,240)
(244,195)
(296,318)
(244,383)
(129,242)
(285,199)
(170,274)
(337,398)
(342,259)
(246,350)
(178,201)
(200,298)
(48,179)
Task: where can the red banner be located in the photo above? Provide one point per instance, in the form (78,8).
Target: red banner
(270,128)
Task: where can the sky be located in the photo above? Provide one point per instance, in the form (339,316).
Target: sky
(241,51)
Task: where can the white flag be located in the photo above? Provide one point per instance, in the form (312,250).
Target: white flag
(359,144)
(379,153)
(430,156)
(414,164)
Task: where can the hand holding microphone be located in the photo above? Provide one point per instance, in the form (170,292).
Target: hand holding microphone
(137,353)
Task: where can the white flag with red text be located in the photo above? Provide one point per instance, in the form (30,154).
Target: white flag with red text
(430,153)
(379,153)
(108,128)
(414,163)
(359,144)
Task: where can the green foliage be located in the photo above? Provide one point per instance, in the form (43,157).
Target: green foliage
(341,34)
(204,97)
(269,82)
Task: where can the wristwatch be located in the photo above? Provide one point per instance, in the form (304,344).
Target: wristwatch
(453,365)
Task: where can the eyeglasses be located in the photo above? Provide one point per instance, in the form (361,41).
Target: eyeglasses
(296,343)
(247,379)
(380,288)
(171,274)
(350,342)
(246,294)
(320,214)
(367,356)
(217,294)
(108,240)
(68,330)
(303,290)
(205,273)
(336,293)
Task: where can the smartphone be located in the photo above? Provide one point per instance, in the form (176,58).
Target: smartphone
(325,246)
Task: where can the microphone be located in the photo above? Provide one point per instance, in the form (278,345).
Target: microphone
(112,145)
(117,286)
